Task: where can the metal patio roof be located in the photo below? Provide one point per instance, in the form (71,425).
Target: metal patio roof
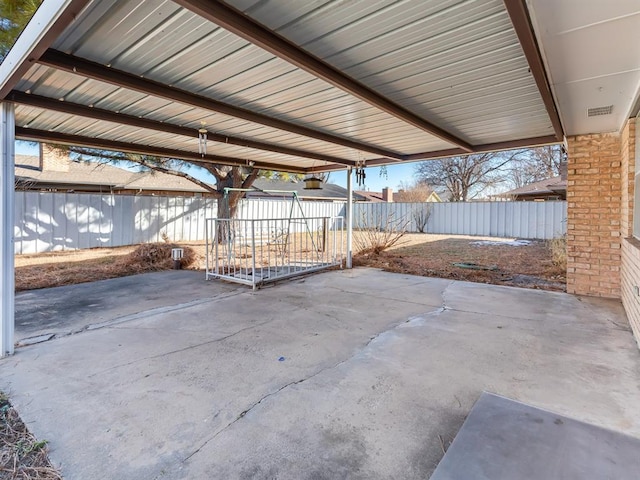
(297,86)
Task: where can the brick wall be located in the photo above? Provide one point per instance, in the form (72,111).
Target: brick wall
(594,197)
(627,158)
(630,266)
(631,282)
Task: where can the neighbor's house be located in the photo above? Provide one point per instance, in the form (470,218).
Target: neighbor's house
(55,172)
(387,195)
(554,188)
(278,189)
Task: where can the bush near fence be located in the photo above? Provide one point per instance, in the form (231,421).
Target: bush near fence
(49,221)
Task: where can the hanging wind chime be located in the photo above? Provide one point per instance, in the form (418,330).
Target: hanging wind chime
(360,173)
(202,139)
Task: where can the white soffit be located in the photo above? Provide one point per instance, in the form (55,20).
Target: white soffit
(592,53)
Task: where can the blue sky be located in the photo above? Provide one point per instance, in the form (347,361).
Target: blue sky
(374,182)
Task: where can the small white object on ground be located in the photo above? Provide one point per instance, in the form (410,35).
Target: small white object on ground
(513,243)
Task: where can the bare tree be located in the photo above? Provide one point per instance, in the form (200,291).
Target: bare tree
(535,164)
(417,192)
(468,176)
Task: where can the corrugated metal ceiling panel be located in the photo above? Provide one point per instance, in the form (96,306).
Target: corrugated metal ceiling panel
(408,49)
(39,119)
(457,63)
(369,125)
(242,75)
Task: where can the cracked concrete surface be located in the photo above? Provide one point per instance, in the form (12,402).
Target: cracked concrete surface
(378,369)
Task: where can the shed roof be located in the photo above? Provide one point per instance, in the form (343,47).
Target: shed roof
(302,86)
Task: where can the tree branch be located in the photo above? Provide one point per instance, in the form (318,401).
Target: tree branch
(176,173)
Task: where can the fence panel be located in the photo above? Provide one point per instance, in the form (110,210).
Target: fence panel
(538,220)
(48,221)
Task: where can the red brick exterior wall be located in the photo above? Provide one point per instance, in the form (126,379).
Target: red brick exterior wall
(594,197)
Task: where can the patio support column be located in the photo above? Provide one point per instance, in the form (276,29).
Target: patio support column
(349,263)
(7,175)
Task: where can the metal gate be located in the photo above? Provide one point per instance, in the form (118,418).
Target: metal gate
(259,251)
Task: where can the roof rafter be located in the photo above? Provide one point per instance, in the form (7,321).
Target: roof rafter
(519,14)
(116,146)
(80,66)
(236,22)
(134,121)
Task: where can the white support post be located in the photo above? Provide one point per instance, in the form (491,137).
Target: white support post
(349,220)
(7,187)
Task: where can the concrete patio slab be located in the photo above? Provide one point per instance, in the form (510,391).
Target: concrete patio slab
(502,439)
(344,374)
(65,310)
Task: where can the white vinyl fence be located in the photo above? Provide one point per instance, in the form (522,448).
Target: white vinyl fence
(541,220)
(47,221)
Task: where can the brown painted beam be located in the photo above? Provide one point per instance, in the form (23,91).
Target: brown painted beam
(64,20)
(116,146)
(242,25)
(96,71)
(487,147)
(95,113)
(452,152)
(521,21)
(457,152)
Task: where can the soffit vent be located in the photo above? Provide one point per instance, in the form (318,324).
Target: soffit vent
(597,111)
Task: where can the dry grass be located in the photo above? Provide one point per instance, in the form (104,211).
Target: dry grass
(415,253)
(526,266)
(558,248)
(70,268)
(22,456)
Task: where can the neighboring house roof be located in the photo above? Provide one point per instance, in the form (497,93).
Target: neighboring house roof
(329,191)
(369,196)
(547,187)
(94,176)
(377,196)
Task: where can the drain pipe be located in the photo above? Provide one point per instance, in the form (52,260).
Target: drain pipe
(349,261)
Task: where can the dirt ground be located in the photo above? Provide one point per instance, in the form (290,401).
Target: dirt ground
(509,263)
(416,254)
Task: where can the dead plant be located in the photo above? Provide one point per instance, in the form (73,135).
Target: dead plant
(558,248)
(421,212)
(156,256)
(22,456)
(377,232)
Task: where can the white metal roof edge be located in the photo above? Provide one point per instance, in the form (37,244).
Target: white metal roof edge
(42,22)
